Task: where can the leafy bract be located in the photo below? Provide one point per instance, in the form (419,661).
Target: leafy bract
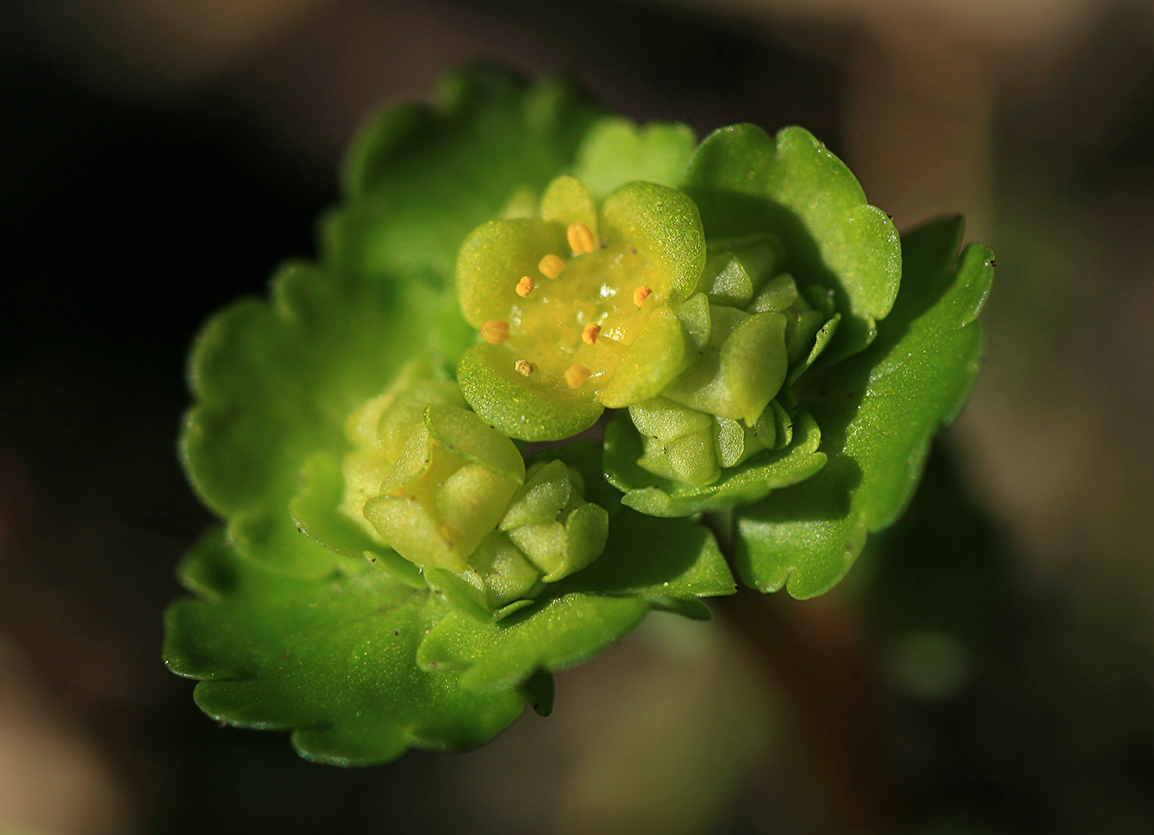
(362,666)
(331,658)
(745,182)
(616,152)
(648,562)
(670,563)
(748,482)
(420,178)
(275,383)
(878,412)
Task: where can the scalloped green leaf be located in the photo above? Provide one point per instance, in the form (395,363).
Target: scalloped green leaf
(648,563)
(332,659)
(420,178)
(274,385)
(616,152)
(746,183)
(560,632)
(879,412)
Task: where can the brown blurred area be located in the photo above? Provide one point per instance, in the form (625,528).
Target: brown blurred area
(987,668)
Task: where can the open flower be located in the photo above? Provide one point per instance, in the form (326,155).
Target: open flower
(395,565)
(576,307)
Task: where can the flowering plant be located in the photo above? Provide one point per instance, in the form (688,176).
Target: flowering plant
(550,372)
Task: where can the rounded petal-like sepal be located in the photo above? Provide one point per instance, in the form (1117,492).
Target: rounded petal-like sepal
(739,370)
(664,224)
(557,530)
(536,409)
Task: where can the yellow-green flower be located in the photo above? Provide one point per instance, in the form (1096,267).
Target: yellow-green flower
(431,480)
(430,477)
(576,306)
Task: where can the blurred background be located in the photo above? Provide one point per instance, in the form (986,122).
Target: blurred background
(988,667)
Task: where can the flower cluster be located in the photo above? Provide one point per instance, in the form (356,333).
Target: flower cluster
(492,427)
(434,482)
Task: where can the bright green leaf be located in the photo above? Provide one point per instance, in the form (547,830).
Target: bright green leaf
(420,178)
(667,564)
(275,384)
(617,152)
(333,659)
(878,412)
(746,183)
(558,633)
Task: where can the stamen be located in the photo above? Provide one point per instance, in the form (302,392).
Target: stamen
(551,266)
(581,239)
(589,335)
(495,331)
(523,367)
(641,294)
(525,286)
(576,374)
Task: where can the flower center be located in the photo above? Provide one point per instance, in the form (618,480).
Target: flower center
(575,318)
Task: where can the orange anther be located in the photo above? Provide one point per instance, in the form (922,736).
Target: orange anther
(551,266)
(576,374)
(581,239)
(495,331)
(589,335)
(525,286)
(523,367)
(641,294)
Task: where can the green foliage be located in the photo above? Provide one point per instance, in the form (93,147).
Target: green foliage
(390,573)
(879,411)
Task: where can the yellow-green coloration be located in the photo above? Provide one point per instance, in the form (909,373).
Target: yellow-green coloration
(748,328)
(596,320)
(738,368)
(430,477)
(442,488)
(548,532)
(550,521)
(693,447)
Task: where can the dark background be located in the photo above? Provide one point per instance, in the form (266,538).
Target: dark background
(987,666)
